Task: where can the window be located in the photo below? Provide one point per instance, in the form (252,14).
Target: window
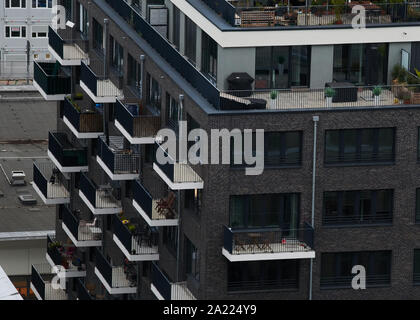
(39,31)
(176,27)
(209,57)
(193,200)
(15,4)
(357,207)
(416,266)
(84,22)
(418,205)
(192,260)
(98,36)
(362,64)
(154,94)
(263,275)
(41,3)
(336,268)
(190,40)
(359,145)
(172,112)
(282,67)
(170,238)
(117,55)
(134,75)
(15,31)
(264,211)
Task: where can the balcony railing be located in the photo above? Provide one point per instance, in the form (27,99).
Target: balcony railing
(120,163)
(155,207)
(67,49)
(58,255)
(82,292)
(66,154)
(346,281)
(137,245)
(166,290)
(83,233)
(138,127)
(335,220)
(118,280)
(83,121)
(41,285)
(101,89)
(99,197)
(308,98)
(167,51)
(50,183)
(283,15)
(259,244)
(52,80)
(177,175)
(262,284)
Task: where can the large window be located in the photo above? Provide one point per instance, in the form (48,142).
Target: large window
(172,112)
(15,31)
(336,268)
(263,275)
(154,93)
(357,207)
(359,145)
(15,4)
(42,3)
(209,57)
(264,210)
(98,36)
(418,205)
(134,75)
(190,40)
(117,55)
(282,67)
(176,27)
(170,238)
(84,22)
(416,267)
(362,64)
(192,260)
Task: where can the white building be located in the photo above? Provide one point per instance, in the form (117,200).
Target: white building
(23,21)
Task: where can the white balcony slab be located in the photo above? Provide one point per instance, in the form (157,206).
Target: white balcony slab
(116,176)
(68,273)
(154,222)
(81,135)
(98,211)
(113,290)
(68,52)
(268,256)
(66,169)
(81,243)
(102,99)
(134,140)
(177,185)
(50,201)
(145,253)
(49,97)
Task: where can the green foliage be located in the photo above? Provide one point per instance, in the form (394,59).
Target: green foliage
(329,92)
(377,91)
(273,95)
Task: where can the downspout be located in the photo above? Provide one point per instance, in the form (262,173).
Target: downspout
(106,106)
(141,82)
(180,111)
(315,120)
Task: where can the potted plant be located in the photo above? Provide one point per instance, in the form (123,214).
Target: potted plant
(273,97)
(376,94)
(329,94)
(406,97)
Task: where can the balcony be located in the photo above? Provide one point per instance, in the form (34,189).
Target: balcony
(99,89)
(66,156)
(268,244)
(315,99)
(178,176)
(67,51)
(84,122)
(42,287)
(136,127)
(117,160)
(50,184)
(82,292)
(163,289)
(99,199)
(51,80)
(136,243)
(81,232)
(155,208)
(65,256)
(116,279)
(244,15)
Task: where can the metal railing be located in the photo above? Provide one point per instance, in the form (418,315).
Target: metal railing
(116,158)
(167,51)
(100,86)
(50,77)
(50,181)
(81,230)
(374,157)
(345,281)
(268,240)
(161,282)
(314,15)
(310,98)
(138,243)
(82,121)
(263,284)
(65,152)
(82,292)
(89,78)
(53,251)
(58,44)
(98,198)
(385,218)
(38,282)
(137,125)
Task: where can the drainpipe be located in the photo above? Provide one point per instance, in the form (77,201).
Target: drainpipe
(142,59)
(106,106)
(315,120)
(180,110)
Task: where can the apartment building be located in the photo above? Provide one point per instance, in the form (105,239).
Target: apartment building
(24,27)
(339,107)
